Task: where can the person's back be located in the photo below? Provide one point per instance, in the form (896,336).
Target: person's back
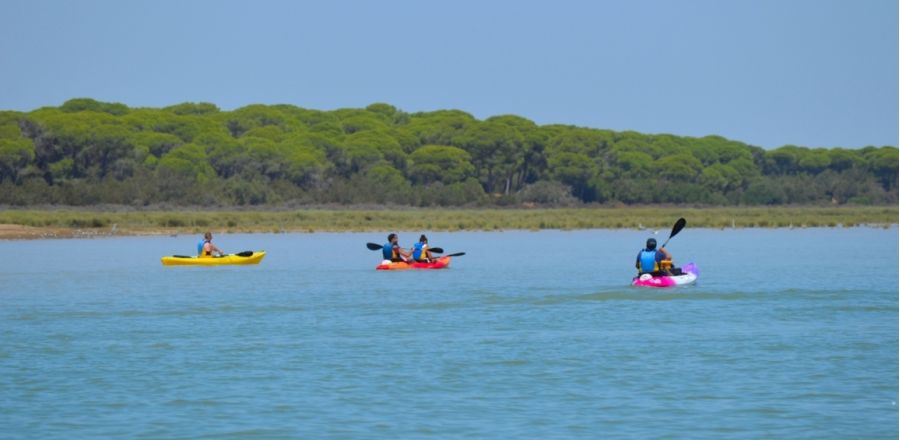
(391,250)
(387,251)
(649,260)
(420,251)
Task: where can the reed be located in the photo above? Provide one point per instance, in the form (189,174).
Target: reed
(367,220)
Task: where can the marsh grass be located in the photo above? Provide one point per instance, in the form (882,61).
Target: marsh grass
(337,220)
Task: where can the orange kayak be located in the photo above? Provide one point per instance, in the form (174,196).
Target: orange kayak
(440,263)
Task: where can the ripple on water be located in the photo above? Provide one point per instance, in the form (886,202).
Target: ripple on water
(540,346)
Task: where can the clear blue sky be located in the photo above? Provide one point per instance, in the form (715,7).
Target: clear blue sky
(816,73)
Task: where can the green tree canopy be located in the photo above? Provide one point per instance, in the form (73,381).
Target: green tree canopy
(188,160)
(88,151)
(440,163)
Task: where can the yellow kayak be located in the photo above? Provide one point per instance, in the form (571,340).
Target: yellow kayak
(246,257)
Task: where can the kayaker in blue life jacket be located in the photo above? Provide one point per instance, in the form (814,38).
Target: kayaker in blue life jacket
(205,248)
(392,251)
(420,251)
(651,260)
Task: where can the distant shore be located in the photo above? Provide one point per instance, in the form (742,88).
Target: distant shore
(94,222)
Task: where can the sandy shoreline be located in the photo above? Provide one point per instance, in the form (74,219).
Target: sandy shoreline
(20,232)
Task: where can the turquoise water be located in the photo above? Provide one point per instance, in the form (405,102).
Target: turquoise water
(787,334)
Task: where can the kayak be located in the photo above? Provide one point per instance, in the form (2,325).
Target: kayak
(246,257)
(689,274)
(440,263)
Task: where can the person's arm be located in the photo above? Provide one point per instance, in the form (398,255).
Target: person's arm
(214,248)
(402,252)
(666,254)
(427,252)
(637,261)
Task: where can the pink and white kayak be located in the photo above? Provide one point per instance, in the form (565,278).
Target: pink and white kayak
(689,274)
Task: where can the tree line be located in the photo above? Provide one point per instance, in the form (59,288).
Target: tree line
(87,152)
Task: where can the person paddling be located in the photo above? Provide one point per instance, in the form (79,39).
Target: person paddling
(653,261)
(392,251)
(420,251)
(207,248)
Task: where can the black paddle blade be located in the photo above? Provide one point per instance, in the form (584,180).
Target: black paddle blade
(245,254)
(458,254)
(373,246)
(679,225)
(436,250)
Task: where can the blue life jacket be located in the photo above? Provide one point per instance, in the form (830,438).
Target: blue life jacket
(648,261)
(418,253)
(388,251)
(200,246)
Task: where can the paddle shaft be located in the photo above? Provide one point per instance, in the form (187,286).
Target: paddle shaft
(239,254)
(378,247)
(676,228)
(437,250)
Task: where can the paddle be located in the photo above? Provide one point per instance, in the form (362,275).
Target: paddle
(378,247)
(679,225)
(436,250)
(239,254)
(458,254)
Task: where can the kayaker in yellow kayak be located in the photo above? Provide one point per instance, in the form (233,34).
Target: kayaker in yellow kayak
(420,251)
(208,248)
(393,252)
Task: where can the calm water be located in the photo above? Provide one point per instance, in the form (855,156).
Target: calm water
(788,334)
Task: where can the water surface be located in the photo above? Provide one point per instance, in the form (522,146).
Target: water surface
(789,333)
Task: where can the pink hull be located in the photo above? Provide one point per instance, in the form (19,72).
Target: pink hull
(690,274)
(654,282)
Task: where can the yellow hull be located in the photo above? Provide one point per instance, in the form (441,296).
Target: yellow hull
(242,258)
